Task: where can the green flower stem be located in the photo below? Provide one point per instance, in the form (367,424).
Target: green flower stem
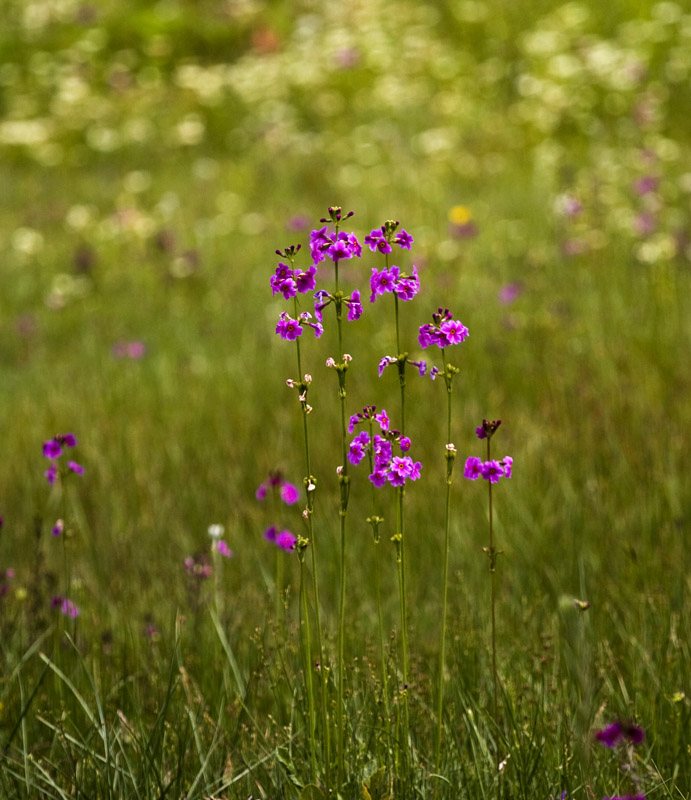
(492,553)
(401,363)
(310,484)
(400,559)
(344,487)
(375,521)
(450,456)
(307,651)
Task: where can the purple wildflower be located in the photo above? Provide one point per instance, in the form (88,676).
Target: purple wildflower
(443,331)
(404,239)
(58,528)
(286,541)
(454,332)
(358,447)
(507,464)
(383,420)
(51,473)
(646,184)
(487,429)
(377,241)
(288,328)
(638,796)
(421,365)
(385,362)
(354,306)
(509,293)
(407,286)
(52,449)
(473,468)
(74,467)
(619,732)
(289,493)
(223,548)
(321,300)
(382,281)
(492,471)
(306,281)
(271,533)
(66,606)
(317,327)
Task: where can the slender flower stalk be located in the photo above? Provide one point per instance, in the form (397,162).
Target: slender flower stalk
(288,281)
(491,471)
(450,457)
(444,332)
(337,247)
(301,545)
(404,287)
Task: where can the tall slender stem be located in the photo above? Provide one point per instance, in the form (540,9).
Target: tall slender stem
(307,650)
(493,594)
(401,365)
(309,485)
(404,621)
(450,454)
(344,486)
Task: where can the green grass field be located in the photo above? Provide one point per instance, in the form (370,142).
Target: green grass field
(153,157)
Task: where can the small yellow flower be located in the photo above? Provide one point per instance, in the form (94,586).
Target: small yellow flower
(460,215)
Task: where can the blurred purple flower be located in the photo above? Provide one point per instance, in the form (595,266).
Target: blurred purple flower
(644,224)
(509,293)
(297,223)
(466,230)
(223,548)
(646,185)
(289,493)
(66,606)
(286,541)
(271,533)
(619,732)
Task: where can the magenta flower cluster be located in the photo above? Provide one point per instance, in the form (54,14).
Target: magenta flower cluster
(443,331)
(620,733)
(289,281)
(336,246)
(387,467)
(491,470)
(391,279)
(198,568)
(638,796)
(378,240)
(283,539)
(5,576)
(288,492)
(289,328)
(66,606)
(53,449)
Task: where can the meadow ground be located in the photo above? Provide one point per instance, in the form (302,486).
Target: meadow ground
(153,158)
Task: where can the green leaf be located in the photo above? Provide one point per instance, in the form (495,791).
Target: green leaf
(312,792)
